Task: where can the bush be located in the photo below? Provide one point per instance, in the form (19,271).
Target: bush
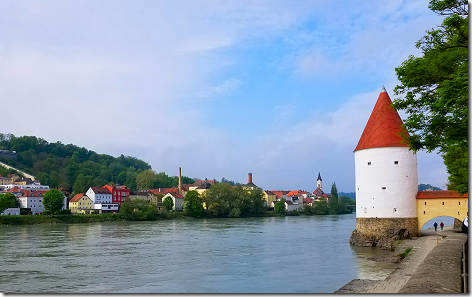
(293,213)
(46,213)
(64,212)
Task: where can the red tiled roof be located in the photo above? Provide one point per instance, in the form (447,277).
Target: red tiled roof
(384,128)
(296,193)
(77,197)
(440,194)
(279,194)
(165,190)
(318,191)
(269,192)
(176,195)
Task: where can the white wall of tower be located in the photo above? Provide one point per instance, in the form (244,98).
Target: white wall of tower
(384,188)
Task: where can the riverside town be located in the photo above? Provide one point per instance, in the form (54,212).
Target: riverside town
(202,147)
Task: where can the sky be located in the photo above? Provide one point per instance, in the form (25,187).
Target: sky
(281,89)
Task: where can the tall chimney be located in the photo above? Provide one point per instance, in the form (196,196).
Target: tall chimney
(180,180)
(249,178)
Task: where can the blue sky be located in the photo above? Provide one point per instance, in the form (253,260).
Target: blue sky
(282,89)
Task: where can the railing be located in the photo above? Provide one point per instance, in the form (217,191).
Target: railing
(465,267)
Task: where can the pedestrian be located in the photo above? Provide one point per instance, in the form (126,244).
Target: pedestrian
(442,225)
(435,226)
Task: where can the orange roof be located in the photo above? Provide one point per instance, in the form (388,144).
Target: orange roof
(77,197)
(440,194)
(384,128)
(279,194)
(296,193)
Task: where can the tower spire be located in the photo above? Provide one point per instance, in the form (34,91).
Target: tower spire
(384,127)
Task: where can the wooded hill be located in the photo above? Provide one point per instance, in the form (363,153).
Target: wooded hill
(75,168)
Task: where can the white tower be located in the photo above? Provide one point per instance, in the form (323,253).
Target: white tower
(318,182)
(386,174)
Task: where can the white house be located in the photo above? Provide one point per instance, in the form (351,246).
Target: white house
(11,211)
(32,187)
(102,199)
(177,199)
(289,205)
(99,195)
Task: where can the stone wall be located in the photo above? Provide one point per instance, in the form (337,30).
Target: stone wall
(383,232)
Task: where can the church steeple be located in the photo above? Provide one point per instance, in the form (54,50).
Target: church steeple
(318,181)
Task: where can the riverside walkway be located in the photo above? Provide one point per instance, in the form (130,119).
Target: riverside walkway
(421,279)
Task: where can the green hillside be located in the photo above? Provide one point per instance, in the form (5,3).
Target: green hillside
(75,168)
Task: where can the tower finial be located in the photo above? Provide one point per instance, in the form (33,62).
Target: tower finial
(383,89)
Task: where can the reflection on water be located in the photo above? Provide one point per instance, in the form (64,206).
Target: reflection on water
(258,255)
(369,269)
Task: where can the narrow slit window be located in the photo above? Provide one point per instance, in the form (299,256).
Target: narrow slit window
(424,212)
(459,203)
(395,162)
(425,203)
(384,188)
(443,203)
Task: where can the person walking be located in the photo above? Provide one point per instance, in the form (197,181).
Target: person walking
(442,225)
(435,226)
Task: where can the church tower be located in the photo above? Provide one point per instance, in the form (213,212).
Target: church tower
(386,176)
(318,182)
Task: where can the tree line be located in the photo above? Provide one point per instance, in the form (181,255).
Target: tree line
(77,168)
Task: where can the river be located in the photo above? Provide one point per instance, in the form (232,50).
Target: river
(256,255)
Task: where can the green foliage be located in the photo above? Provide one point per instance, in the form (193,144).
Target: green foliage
(435,91)
(347,201)
(279,207)
(168,203)
(224,200)
(405,253)
(8,200)
(293,213)
(333,200)
(69,166)
(193,205)
(308,210)
(138,210)
(321,207)
(53,201)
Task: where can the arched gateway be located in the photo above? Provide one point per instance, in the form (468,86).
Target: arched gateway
(432,204)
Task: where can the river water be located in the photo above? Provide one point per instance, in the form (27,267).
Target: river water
(256,255)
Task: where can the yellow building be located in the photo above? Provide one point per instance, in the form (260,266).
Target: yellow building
(5,181)
(269,197)
(80,203)
(432,204)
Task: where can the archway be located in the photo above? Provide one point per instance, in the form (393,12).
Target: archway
(428,227)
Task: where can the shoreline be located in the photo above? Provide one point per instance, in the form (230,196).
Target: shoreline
(421,247)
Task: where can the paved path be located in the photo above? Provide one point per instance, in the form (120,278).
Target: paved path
(421,247)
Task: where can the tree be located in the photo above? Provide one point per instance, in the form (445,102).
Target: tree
(168,203)
(435,91)
(8,200)
(193,204)
(53,201)
(146,180)
(321,207)
(333,200)
(279,207)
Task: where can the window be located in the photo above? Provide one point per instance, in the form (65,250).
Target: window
(384,188)
(395,210)
(459,203)
(443,203)
(425,203)
(368,163)
(395,162)
(424,212)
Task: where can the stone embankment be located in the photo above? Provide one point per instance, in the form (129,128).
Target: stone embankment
(432,266)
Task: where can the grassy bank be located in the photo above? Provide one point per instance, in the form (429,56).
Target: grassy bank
(78,219)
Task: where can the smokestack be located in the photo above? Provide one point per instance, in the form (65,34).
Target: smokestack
(249,178)
(180,180)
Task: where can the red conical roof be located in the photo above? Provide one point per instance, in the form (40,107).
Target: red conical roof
(384,128)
